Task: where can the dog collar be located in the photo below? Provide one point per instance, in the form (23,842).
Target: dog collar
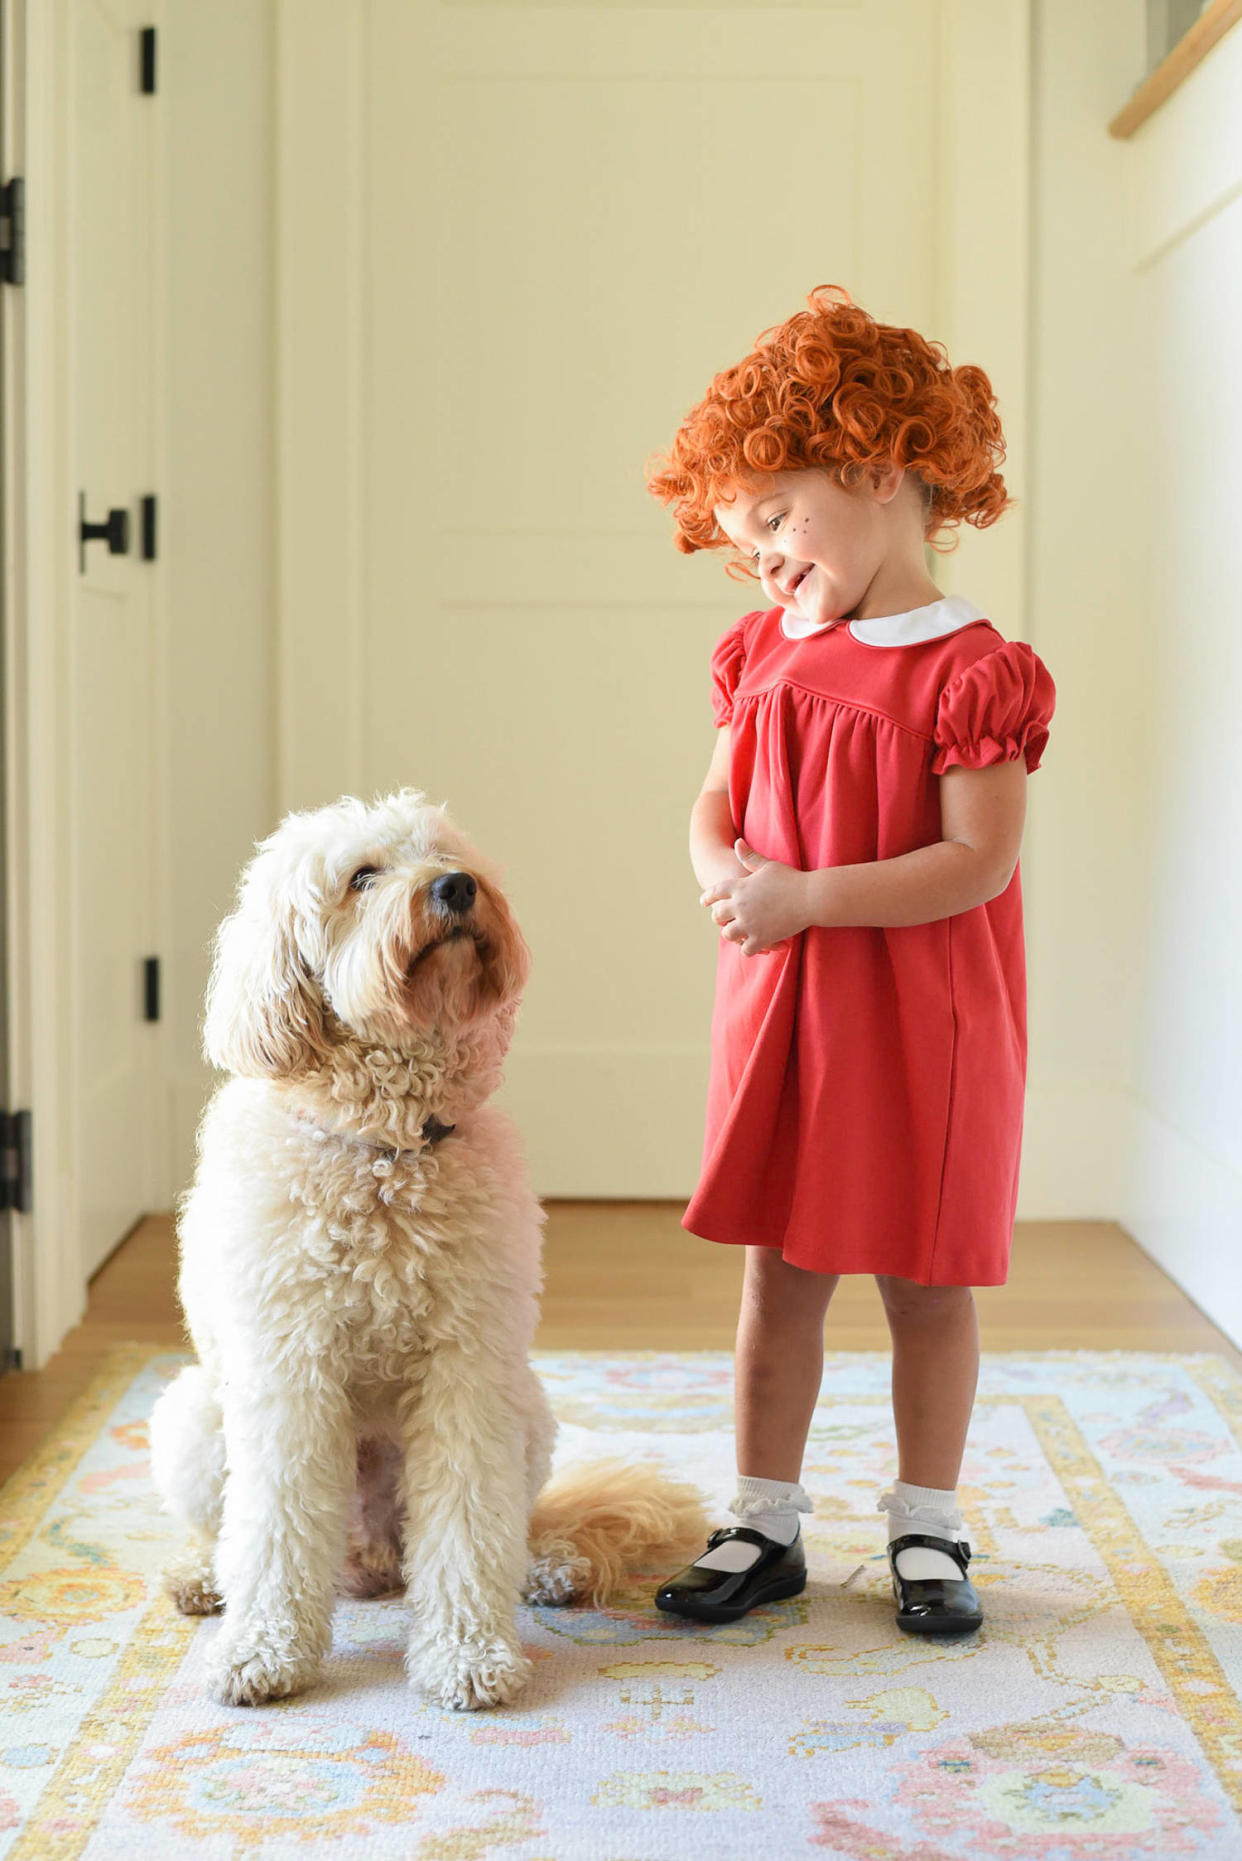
(432,1133)
(433,1130)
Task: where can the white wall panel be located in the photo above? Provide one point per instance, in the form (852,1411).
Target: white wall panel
(1136,558)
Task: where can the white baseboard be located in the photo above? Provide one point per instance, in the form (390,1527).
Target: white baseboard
(1183,1205)
(1096,1151)
(632,1127)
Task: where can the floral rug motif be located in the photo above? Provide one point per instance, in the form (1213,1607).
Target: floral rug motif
(1095,1717)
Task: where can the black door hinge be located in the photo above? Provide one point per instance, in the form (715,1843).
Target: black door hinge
(16,1187)
(150,527)
(151,988)
(147,72)
(13,231)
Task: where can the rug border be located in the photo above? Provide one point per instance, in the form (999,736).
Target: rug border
(75,1428)
(1165,1620)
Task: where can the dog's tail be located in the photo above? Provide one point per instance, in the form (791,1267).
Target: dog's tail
(595,1525)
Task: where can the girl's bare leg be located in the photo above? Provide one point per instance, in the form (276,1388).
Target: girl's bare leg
(935,1333)
(778,1362)
(778,1367)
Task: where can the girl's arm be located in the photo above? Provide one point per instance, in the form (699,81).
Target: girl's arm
(981,818)
(982,813)
(712,832)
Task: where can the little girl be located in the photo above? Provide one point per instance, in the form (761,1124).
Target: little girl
(857,842)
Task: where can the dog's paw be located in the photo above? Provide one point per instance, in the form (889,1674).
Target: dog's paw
(371,1573)
(469,1675)
(192,1592)
(246,1674)
(556,1579)
(189,1578)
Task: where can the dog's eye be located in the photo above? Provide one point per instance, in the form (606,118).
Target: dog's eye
(363,878)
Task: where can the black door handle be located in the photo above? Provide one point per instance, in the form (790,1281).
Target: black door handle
(114,531)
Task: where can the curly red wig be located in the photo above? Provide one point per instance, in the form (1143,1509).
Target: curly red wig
(831,387)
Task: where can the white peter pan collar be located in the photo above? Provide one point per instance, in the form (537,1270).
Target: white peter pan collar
(916,624)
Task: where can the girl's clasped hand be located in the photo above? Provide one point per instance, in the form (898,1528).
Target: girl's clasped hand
(762,907)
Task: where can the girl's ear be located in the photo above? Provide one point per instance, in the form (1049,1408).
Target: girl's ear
(887,480)
(264,1016)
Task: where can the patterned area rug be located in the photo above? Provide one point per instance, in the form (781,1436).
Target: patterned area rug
(1095,1717)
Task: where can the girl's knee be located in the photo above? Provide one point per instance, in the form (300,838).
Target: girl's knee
(786,1293)
(905,1298)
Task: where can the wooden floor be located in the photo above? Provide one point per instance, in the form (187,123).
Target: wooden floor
(626,1276)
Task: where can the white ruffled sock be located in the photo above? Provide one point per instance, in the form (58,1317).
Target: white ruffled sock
(929,1509)
(772,1507)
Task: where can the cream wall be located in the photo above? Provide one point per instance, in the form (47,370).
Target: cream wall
(1135,1102)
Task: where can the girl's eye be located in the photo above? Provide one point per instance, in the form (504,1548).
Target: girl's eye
(363,878)
(768,522)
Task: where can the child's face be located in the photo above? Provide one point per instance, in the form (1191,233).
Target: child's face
(817,546)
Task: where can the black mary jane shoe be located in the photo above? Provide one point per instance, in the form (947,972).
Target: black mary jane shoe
(935,1605)
(724,1595)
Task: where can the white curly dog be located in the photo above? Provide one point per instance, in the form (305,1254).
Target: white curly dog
(360,1271)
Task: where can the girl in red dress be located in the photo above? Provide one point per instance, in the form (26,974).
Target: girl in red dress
(857,842)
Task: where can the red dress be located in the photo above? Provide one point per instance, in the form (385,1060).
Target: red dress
(865,1104)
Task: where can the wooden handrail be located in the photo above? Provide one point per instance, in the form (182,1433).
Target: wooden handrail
(1193,46)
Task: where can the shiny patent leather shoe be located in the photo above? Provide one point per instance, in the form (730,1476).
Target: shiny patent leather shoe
(935,1605)
(724,1595)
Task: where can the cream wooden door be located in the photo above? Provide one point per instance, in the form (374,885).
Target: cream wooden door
(546,227)
(111,663)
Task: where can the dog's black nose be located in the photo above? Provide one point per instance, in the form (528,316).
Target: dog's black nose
(455,891)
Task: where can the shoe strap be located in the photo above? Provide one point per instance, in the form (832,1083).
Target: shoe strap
(747,1533)
(957,1548)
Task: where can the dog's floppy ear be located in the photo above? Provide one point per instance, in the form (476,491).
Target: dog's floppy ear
(264,1014)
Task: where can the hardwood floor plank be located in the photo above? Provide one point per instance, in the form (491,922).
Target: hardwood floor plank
(627,1276)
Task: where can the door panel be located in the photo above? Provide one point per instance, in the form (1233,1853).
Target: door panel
(111,656)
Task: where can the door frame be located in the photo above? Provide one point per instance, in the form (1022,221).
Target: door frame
(47,1296)
(9,309)
(40,511)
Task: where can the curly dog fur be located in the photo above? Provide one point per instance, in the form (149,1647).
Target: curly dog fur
(360,1274)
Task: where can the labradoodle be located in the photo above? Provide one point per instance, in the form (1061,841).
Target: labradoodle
(360,1273)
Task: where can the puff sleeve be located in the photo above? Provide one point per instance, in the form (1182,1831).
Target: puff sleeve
(728,659)
(998,709)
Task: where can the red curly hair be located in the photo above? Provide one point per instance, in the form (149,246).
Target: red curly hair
(831,387)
